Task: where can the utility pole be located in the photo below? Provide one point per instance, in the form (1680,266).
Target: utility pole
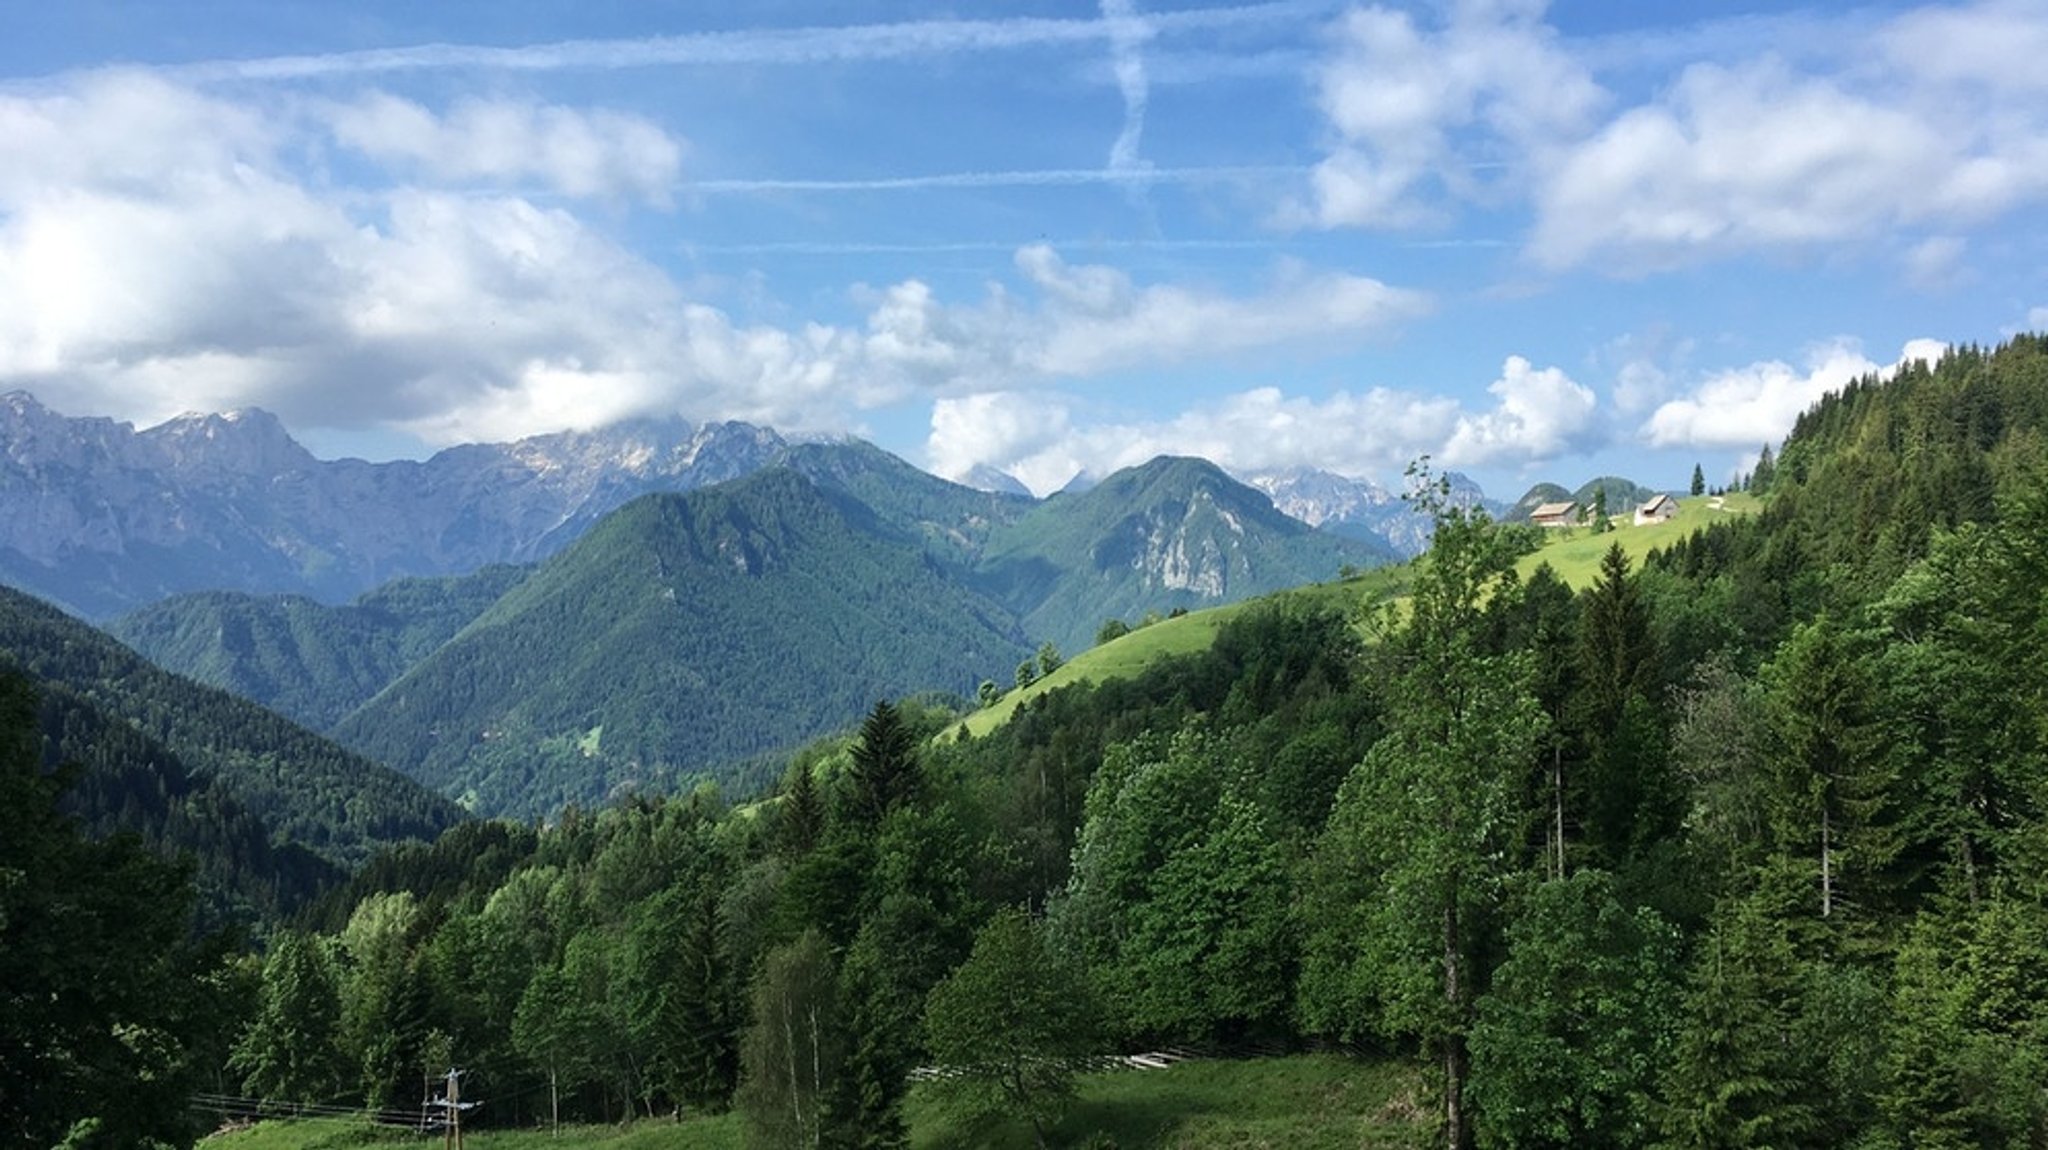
(452,1106)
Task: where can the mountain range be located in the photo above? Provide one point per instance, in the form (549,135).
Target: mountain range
(1362,509)
(688,632)
(102,518)
(558,620)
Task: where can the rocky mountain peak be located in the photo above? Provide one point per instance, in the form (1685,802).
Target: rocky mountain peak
(1316,497)
(248,441)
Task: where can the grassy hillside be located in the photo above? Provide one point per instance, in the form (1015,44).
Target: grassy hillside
(1574,553)
(1310,1102)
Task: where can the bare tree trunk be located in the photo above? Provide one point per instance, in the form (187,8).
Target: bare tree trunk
(1827,878)
(1970,869)
(1457,1132)
(796,1096)
(1557,794)
(817,1080)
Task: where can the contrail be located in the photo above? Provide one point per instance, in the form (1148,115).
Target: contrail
(833,248)
(1127,36)
(1030,178)
(814,45)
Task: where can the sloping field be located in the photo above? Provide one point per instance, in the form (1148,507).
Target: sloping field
(1309,1102)
(1573,552)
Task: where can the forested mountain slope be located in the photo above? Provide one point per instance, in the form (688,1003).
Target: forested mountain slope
(1742,847)
(954,521)
(718,657)
(681,634)
(307,660)
(123,781)
(308,791)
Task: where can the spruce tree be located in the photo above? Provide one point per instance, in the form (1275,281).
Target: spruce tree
(802,822)
(1621,797)
(1766,470)
(1699,480)
(885,770)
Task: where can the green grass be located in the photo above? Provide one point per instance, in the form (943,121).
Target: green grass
(1574,553)
(1118,659)
(1310,1102)
(1188,634)
(721,1133)
(1307,1102)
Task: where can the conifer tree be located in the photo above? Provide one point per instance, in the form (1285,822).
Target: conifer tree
(1699,480)
(1621,798)
(803,812)
(1834,802)
(885,770)
(1738,1077)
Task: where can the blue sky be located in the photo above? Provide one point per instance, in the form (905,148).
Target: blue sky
(1533,241)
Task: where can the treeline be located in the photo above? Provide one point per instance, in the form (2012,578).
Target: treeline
(1745,848)
(309,791)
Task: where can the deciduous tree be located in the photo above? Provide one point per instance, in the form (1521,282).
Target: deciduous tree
(1008,1024)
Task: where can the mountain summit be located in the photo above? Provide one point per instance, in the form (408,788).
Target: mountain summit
(101,518)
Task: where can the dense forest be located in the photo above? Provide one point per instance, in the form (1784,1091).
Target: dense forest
(692,635)
(1742,847)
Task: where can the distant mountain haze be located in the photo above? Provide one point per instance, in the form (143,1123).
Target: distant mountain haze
(688,632)
(569,617)
(102,518)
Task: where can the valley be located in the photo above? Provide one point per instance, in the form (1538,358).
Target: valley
(1679,788)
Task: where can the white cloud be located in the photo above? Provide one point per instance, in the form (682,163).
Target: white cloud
(1096,320)
(1542,413)
(1935,122)
(597,153)
(185,265)
(2037,319)
(1045,440)
(1645,364)
(1930,121)
(1019,432)
(1416,112)
(1747,407)
(1754,158)
(1998,44)
(1084,321)
(1127,36)
(1936,263)
(1927,351)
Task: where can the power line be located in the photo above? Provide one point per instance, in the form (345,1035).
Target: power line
(252,1107)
